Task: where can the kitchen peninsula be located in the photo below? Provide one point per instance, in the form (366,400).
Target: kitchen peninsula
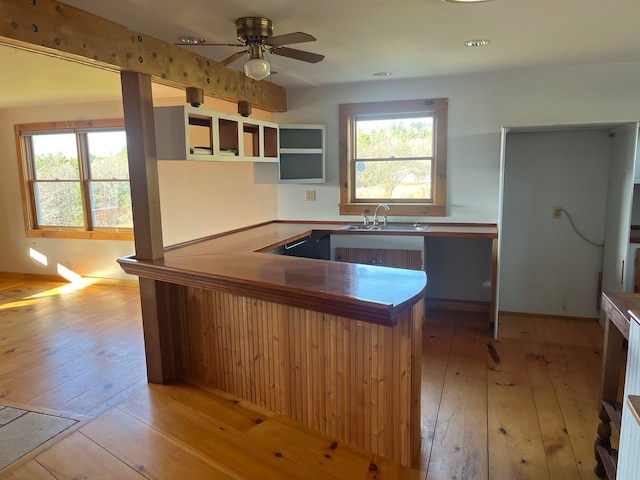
(335,346)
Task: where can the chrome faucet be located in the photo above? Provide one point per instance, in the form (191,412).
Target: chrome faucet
(375,215)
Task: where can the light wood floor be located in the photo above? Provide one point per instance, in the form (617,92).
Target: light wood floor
(522,407)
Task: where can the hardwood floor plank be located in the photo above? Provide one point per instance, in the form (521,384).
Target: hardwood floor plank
(577,394)
(13,289)
(459,446)
(383,469)
(95,377)
(67,340)
(560,458)
(112,401)
(31,470)
(437,337)
(561,461)
(516,448)
(118,381)
(26,384)
(336,459)
(78,457)
(588,344)
(238,415)
(49,337)
(205,433)
(150,452)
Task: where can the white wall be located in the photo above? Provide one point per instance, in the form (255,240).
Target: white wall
(479,105)
(546,267)
(203,198)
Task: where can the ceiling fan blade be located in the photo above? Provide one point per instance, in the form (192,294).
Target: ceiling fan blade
(298,54)
(194,41)
(296,37)
(231,59)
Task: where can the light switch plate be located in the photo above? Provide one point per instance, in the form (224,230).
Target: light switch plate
(310,195)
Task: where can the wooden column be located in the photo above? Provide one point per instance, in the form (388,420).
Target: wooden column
(147,224)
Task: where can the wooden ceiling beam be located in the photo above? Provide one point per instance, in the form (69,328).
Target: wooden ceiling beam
(59,30)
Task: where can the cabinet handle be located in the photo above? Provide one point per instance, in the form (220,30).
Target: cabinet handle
(289,247)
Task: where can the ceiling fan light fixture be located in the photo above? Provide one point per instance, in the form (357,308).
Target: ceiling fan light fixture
(257,68)
(256,34)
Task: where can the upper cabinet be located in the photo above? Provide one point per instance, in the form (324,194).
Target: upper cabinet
(188,133)
(302,153)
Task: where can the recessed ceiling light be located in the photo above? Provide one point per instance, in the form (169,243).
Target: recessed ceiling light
(382,74)
(192,40)
(477,43)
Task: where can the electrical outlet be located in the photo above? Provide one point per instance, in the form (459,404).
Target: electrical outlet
(556,212)
(310,195)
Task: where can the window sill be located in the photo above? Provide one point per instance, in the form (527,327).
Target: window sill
(81,235)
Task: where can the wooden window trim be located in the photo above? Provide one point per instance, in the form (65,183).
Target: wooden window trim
(439,108)
(28,203)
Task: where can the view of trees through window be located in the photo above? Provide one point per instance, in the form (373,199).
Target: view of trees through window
(393,158)
(393,152)
(109,174)
(74,173)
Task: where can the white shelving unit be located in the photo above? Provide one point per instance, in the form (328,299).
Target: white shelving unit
(302,153)
(188,133)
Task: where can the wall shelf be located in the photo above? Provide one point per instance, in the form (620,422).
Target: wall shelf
(302,154)
(188,133)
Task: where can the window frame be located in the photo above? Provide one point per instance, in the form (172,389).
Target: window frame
(27,181)
(348,113)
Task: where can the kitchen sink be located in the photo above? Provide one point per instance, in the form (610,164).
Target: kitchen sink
(356,227)
(390,227)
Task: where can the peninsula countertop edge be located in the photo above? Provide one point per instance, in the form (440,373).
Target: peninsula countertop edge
(233,262)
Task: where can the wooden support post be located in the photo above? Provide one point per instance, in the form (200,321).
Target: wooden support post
(147,224)
(195,96)
(244,108)
(158,345)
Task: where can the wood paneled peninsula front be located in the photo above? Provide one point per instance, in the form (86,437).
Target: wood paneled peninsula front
(335,346)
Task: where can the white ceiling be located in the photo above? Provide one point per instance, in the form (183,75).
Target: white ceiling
(410,38)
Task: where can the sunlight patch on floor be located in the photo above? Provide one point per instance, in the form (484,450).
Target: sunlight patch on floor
(76,282)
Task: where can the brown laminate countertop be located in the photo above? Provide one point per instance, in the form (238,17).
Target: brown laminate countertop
(232,262)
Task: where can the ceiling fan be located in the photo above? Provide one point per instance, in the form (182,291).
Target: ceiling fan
(256,34)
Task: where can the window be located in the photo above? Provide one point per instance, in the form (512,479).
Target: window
(396,153)
(75,179)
